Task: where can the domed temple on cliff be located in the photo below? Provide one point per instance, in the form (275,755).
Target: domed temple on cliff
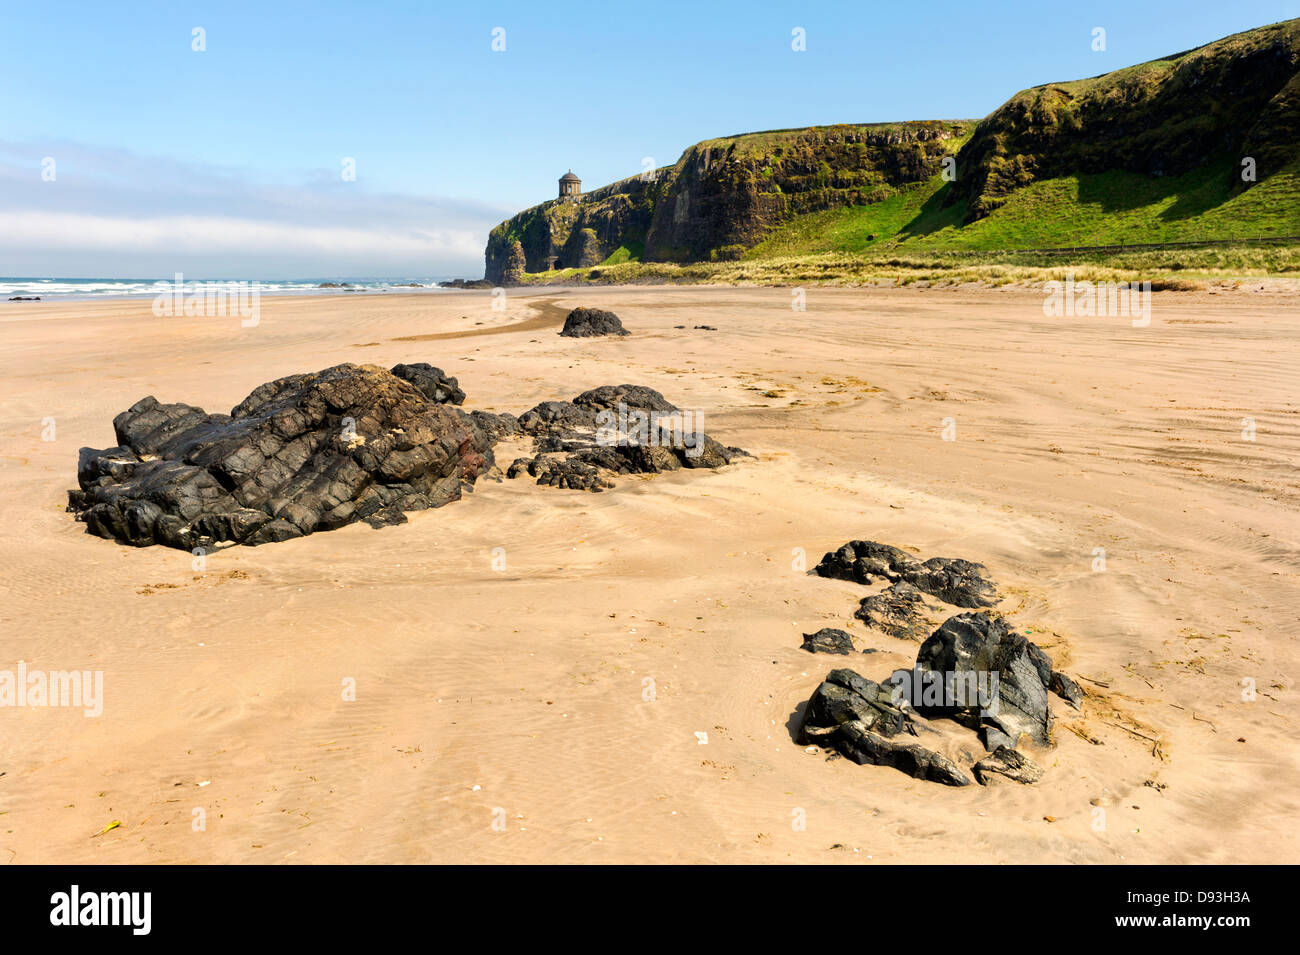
(570,185)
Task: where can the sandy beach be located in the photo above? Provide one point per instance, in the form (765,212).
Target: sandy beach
(510,686)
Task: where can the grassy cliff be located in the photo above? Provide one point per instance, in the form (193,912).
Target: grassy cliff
(724,195)
(1235,98)
(1153,153)
(611,221)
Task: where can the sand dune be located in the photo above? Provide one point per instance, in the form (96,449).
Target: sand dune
(522,688)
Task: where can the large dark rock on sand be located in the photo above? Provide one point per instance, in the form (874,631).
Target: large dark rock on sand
(300,454)
(611,430)
(973,644)
(592,323)
(860,720)
(961,583)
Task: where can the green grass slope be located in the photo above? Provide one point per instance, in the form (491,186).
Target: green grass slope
(1099,209)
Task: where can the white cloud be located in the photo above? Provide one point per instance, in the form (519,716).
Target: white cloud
(116,214)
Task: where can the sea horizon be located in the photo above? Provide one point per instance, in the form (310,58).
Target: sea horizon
(83,287)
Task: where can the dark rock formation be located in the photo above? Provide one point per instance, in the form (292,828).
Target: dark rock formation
(971,644)
(25,298)
(592,323)
(300,454)
(589,249)
(613,429)
(637,397)
(512,272)
(570,473)
(973,669)
(961,583)
(1009,763)
(827,640)
(1066,689)
(898,610)
(437,386)
(864,746)
(858,718)
(495,426)
(466,284)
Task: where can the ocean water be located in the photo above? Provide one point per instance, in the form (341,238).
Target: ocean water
(148,288)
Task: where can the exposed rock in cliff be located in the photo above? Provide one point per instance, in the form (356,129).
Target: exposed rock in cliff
(725,195)
(579,232)
(515,264)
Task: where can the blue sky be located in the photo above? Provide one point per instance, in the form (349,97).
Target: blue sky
(228,161)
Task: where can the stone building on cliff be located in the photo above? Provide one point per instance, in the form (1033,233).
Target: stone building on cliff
(570,186)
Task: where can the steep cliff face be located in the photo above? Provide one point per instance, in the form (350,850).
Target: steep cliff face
(565,233)
(724,195)
(1238,97)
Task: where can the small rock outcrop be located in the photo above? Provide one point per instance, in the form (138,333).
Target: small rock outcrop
(611,430)
(961,583)
(1009,763)
(859,719)
(495,426)
(899,610)
(592,323)
(437,386)
(300,454)
(827,640)
(1066,689)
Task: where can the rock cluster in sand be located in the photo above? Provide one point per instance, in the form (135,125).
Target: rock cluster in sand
(318,451)
(611,430)
(848,713)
